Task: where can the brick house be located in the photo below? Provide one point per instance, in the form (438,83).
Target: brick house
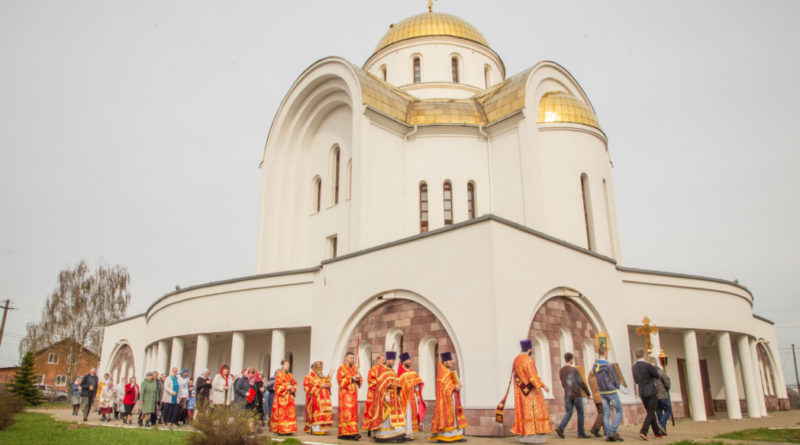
(50,363)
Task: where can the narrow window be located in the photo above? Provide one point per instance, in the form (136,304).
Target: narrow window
(423,207)
(448,203)
(349,189)
(332,246)
(383,73)
(316,194)
(486,76)
(470,200)
(454,68)
(417,71)
(335,174)
(609,220)
(587,212)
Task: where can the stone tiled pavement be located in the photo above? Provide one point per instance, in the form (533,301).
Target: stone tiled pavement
(684,430)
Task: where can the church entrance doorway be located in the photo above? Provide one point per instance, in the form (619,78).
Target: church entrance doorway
(706,383)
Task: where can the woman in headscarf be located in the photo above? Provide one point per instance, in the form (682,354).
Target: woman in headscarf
(106,402)
(222,387)
(202,388)
(169,401)
(242,389)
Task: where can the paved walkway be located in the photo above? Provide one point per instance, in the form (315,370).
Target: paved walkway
(683,430)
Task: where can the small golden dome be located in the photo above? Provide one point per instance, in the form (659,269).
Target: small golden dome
(431,24)
(559,106)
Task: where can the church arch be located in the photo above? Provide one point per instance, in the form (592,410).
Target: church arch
(373,320)
(560,322)
(121,362)
(428,360)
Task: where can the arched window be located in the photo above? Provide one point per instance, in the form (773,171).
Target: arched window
(417,70)
(565,343)
(454,68)
(364,358)
(486,72)
(587,211)
(428,363)
(383,72)
(423,207)
(394,341)
(609,219)
(316,194)
(349,189)
(335,155)
(448,203)
(588,356)
(541,357)
(471,200)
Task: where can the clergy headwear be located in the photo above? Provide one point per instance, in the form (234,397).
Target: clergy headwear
(526,344)
(447,356)
(405,356)
(391,355)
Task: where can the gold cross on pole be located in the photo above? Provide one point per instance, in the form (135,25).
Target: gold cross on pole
(645,330)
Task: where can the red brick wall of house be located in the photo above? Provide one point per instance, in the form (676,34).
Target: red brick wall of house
(7,374)
(51,370)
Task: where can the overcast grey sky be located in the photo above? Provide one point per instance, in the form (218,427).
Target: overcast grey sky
(130,132)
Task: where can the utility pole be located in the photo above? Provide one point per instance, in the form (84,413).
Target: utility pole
(5,312)
(794,356)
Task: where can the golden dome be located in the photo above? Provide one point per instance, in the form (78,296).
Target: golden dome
(559,106)
(431,24)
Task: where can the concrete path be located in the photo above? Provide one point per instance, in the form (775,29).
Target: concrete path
(683,430)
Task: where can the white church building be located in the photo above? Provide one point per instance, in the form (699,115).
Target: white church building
(428,201)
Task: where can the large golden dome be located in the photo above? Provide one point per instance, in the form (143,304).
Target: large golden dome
(431,24)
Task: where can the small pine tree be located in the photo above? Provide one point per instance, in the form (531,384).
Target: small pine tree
(24,381)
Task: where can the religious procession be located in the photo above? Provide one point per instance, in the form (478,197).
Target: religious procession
(394,408)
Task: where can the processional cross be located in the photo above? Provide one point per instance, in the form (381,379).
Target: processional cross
(645,330)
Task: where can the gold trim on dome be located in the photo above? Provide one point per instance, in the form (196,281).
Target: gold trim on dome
(559,106)
(431,24)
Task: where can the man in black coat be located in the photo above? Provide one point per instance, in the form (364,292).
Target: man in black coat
(644,375)
(88,392)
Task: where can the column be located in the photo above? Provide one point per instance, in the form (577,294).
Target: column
(146,357)
(762,404)
(201,356)
(237,353)
(748,377)
(278,351)
(729,375)
(162,359)
(176,358)
(693,377)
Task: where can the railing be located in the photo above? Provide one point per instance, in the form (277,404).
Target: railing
(794,396)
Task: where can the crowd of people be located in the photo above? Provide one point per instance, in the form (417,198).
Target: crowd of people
(168,399)
(394,407)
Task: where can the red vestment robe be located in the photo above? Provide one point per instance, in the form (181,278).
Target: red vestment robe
(348,399)
(370,417)
(284,419)
(387,399)
(530,411)
(319,409)
(409,380)
(447,411)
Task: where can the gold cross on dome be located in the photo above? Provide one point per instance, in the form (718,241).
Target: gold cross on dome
(430,5)
(645,330)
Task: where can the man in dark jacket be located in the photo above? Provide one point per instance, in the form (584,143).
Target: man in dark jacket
(643,374)
(664,409)
(572,382)
(88,392)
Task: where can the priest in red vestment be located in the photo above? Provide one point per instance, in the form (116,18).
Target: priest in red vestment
(319,409)
(349,380)
(391,423)
(410,395)
(284,419)
(449,420)
(370,416)
(531,418)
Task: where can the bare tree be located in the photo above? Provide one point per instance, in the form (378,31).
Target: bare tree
(83,302)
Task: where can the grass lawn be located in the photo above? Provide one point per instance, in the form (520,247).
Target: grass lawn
(786,435)
(38,428)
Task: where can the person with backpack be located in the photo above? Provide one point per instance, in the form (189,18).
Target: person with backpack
(573,383)
(644,374)
(664,408)
(608,386)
